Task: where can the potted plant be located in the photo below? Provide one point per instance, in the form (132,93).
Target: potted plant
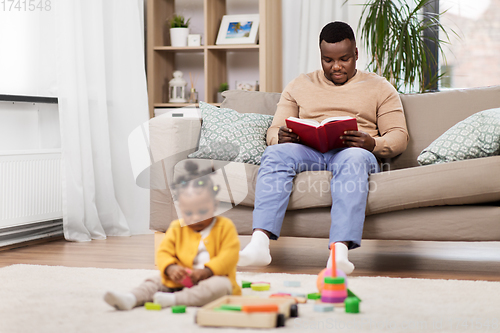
(397,41)
(179,30)
(223,87)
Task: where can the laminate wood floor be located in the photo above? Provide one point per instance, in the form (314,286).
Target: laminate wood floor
(408,259)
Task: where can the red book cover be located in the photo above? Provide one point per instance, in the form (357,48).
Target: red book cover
(322,136)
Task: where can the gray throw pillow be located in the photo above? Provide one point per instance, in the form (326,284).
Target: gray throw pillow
(474,137)
(228,135)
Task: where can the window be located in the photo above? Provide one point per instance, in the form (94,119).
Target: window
(473,57)
(27,55)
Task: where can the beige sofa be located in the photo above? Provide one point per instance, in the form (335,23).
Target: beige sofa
(458,201)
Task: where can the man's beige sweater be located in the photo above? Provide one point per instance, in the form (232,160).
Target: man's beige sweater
(371,99)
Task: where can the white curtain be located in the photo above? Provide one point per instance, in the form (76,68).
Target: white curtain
(303,21)
(102,98)
(315,14)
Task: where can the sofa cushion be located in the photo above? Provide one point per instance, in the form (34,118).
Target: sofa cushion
(231,136)
(429,115)
(456,183)
(251,101)
(474,137)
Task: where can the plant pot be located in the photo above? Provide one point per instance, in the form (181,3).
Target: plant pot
(220,98)
(178,36)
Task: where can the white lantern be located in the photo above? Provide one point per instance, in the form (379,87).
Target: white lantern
(177,88)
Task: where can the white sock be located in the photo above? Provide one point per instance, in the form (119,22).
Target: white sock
(341,260)
(164,299)
(121,301)
(256,253)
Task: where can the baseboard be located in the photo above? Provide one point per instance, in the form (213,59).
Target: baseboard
(31,242)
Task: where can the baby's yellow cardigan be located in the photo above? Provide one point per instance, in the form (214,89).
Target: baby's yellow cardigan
(180,246)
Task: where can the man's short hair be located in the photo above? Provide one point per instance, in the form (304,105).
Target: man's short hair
(335,32)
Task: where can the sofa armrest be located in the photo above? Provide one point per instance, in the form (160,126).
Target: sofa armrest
(171,141)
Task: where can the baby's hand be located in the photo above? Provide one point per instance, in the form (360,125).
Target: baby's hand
(198,275)
(176,273)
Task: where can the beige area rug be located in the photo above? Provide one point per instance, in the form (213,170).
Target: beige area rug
(63,299)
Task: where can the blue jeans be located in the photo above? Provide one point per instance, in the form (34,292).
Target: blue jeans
(350,168)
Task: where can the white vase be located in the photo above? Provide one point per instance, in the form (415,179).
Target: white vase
(179,36)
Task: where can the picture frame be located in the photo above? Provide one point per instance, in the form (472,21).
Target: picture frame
(247,85)
(238,29)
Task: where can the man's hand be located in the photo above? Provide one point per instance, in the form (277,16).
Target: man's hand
(198,275)
(176,273)
(285,135)
(358,139)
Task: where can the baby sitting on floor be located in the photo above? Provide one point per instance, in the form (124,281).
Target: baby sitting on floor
(200,249)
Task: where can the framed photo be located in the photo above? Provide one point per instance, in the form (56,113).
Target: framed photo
(247,85)
(238,29)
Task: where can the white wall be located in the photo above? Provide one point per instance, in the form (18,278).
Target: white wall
(24,69)
(27,70)
(29,126)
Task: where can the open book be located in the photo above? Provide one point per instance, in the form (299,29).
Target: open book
(322,136)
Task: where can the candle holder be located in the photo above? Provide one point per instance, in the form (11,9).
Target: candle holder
(177,88)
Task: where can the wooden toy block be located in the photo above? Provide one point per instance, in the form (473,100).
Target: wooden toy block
(351,305)
(246,284)
(323,307)
(231,307)
(152,306)
(186,282)
(292,283)
(260,308)
(260,286)
(314,296)
(179,309)
(209,316)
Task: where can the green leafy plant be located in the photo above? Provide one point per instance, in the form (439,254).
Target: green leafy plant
(223,87)
(393,34)
(178,21)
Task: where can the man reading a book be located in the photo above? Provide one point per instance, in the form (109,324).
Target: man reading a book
(339,89)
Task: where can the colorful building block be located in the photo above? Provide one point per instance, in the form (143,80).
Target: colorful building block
(231,307)
(351,305)
(186,281)
(292,283)
(320,307)
(152,306)
(246,284)
(260,286)
(334,290)
(351,294)
(179,309)
(260,308)
(314,296)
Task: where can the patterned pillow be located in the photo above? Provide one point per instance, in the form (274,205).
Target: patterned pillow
(474,137)
(228,135)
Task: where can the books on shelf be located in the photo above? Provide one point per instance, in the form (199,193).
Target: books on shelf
(322,136)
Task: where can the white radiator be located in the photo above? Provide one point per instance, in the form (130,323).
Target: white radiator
(30,187)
